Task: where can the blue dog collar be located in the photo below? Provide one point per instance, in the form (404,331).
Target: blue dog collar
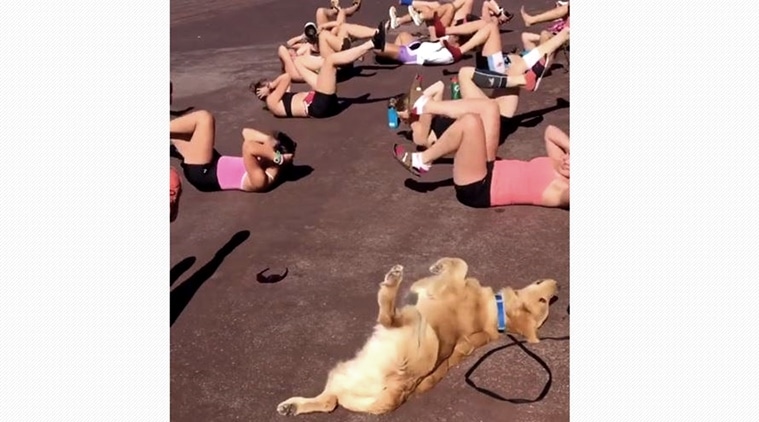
(501,312)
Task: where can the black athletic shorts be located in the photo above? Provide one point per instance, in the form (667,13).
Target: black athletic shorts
(477,194)
(203,176)
(323,105)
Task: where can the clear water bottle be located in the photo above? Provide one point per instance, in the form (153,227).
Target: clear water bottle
(392,117)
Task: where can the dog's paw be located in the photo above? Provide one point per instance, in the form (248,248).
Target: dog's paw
(287,408)
(394,276)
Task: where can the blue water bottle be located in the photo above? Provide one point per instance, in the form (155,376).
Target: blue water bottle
(392,117)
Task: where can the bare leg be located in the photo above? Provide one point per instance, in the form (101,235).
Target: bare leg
(325,15)
(466,28)
(489,10)
(431,4)
(555,13)
(486,109)
(488,36)
(329,44)
(530,40)
(467,86)
(507,104)
(326,81)
(193,135)
(466,137)
(356,31)
(519,65)
(463,8)
(353,8)
(310,62)
(391,51)
(256,144)
(287,64)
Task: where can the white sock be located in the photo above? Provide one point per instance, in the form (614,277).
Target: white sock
(419,104)
(532,57)
(416,161)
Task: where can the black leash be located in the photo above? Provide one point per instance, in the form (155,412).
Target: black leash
(530,353)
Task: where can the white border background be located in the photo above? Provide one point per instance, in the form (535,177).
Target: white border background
(664,215)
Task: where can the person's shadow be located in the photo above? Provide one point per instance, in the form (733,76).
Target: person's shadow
(181,296)
(509,125)
(345,102)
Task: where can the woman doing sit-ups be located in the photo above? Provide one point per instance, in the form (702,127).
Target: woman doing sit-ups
(321,101)
(483,181)
(261,164)
(427,128)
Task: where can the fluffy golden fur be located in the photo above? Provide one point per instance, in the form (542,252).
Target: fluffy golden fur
(413,347)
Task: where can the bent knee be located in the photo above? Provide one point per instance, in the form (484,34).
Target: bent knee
(466,72)
(492,109)
(204,116)
(470,121)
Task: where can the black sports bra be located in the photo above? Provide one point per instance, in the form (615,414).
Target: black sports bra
(287,102)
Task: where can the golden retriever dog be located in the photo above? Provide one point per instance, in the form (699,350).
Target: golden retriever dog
(413,347)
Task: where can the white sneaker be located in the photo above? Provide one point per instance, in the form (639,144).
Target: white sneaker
(560,3)
(418,21)
(393,17)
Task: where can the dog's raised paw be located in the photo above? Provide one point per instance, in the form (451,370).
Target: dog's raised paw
(394,276)
(287,409)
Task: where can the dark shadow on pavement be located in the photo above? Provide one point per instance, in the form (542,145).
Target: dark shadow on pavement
(530,353)
(529,119)
(177,113)
(182,294)
(179,269)
(345,102)
(424,187)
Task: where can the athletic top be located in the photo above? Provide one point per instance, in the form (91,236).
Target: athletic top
(231,173)
(516,182)
(287,102)
(427,52)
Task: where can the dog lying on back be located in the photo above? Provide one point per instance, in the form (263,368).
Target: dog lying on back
(412,348)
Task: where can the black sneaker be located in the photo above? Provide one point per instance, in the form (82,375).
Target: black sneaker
(379,37)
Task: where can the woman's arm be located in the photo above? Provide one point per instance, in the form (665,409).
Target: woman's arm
(295,40)
(280,85)
(329,25)
(303,49)
(557,147)
(420,130)
(557,143)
